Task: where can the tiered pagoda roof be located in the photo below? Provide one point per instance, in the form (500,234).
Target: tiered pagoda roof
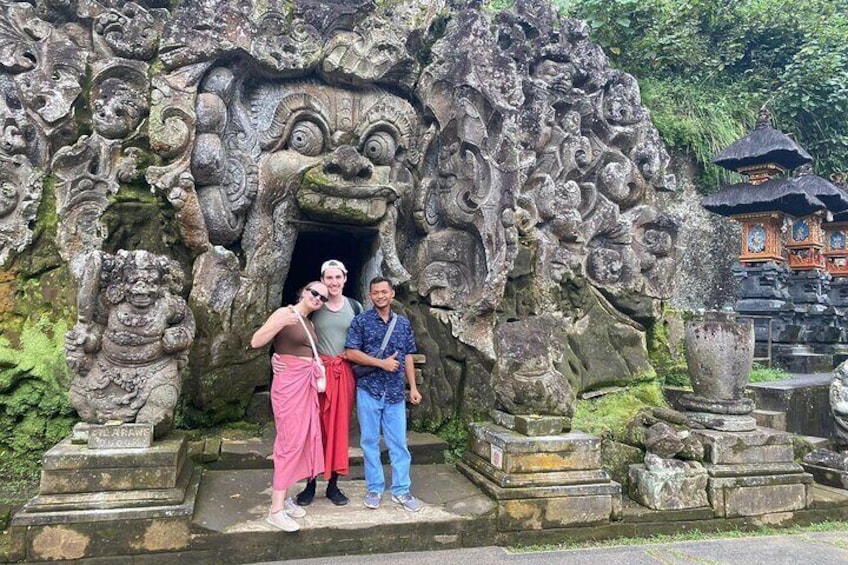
(762,155)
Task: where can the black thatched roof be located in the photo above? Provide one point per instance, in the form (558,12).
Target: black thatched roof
(833,197)
(774,195)
(763,144)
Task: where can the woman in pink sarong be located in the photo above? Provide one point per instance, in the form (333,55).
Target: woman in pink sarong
(298,452)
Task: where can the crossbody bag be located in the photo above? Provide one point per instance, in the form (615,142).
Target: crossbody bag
(321,383)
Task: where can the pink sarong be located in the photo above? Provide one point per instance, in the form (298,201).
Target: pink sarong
(298,453)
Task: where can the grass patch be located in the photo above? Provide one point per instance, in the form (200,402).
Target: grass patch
(691,535)
(608,415)
(761,374)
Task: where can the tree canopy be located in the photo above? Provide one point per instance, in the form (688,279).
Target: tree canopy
(707,66)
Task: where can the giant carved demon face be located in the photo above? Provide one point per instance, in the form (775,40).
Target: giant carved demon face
(346,153)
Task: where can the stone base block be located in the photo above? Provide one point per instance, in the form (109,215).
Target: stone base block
(753,469)
(754,496)
(722,422)
(762,445)
(72,468)
(512,480)
(105,534)
(804,399)
(549,507)
(770,419)
(512,452)
(532,425)
(670,489)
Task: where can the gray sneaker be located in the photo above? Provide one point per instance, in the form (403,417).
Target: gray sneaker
(373,499)
(293,509)
(408,501)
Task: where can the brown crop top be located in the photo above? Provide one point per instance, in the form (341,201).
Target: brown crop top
(292,340)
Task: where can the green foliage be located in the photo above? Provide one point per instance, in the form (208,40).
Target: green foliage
(706,67)
(761,374)
(700,120)
(608,415)
(453,431)
(500,5)
(34,408)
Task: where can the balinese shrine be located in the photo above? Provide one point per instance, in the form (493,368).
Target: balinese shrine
(793,262)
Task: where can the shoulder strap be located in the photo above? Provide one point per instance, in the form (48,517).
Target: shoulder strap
(355,305)
(388,334)
(309,335)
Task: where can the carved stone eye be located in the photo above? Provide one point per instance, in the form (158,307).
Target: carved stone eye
(380,148)
(307,138)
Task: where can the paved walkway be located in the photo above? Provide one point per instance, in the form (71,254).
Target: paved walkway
(829,548)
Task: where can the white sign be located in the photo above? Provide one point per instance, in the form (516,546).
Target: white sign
(496,457)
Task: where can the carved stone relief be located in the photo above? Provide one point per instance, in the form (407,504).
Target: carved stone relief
(507,175)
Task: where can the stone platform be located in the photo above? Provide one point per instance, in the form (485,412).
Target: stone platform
(227,526)
(753,473)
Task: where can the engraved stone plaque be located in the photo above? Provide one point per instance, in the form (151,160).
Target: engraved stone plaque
(120,436)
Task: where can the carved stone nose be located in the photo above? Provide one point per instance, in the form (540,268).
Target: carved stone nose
(346,162)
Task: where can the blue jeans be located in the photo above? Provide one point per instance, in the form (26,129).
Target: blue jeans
(376,416)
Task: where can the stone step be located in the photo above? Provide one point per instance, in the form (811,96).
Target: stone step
(774,419)
(803,398)
(255,453)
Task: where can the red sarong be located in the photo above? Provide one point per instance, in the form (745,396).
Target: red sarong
(336,405)
(294,398)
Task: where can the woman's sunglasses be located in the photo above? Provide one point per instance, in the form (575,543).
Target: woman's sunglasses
(317,295)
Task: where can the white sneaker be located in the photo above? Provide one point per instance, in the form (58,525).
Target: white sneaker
(282,521)
(294,510)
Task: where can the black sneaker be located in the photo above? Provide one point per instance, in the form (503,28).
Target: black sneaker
(336,496)
(304,497)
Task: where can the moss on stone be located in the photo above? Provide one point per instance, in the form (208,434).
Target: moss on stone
(669,364)
(34,407)
(607,416)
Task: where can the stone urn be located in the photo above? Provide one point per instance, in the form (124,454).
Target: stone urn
(719,355)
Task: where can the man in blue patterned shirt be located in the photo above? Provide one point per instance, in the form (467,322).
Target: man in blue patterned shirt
(380,394)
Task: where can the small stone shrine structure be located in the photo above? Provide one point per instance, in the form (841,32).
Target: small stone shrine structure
(745,470)
(127,351)
(541,474)
(793,264)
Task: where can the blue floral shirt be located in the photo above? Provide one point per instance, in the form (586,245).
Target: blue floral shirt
(366,334)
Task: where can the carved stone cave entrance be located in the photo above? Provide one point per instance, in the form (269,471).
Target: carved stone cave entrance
(354,246)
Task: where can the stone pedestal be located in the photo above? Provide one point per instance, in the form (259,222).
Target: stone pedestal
(541,482)
(753,473)
(112,500)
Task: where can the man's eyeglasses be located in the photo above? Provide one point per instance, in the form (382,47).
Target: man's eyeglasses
(317,295)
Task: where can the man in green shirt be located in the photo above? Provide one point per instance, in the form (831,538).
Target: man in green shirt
(336,403)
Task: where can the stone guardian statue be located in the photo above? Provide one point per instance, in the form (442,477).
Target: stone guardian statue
(131,340)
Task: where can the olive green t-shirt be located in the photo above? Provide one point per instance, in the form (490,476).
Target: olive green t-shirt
(331,328)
